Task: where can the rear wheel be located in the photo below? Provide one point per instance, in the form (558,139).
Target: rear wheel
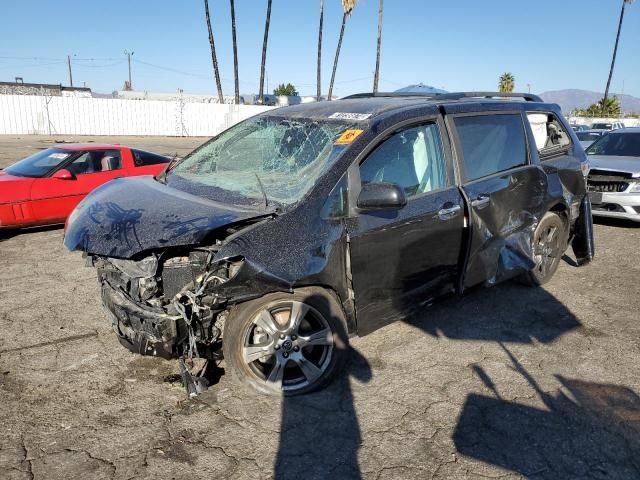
(286,343)
(549,244)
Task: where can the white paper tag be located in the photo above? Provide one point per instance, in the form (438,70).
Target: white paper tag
(350,116)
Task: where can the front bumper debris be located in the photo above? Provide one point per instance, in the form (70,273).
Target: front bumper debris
(143,330)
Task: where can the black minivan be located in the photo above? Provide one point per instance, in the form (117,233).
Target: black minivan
(278,239)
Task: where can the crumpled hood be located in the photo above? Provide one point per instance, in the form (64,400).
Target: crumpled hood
(619,164)
(131,215)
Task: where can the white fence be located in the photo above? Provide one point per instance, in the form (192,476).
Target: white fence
(628,122)
(51,115)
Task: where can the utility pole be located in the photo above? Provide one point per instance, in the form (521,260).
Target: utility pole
(615,50)
(128,54)
(70,75)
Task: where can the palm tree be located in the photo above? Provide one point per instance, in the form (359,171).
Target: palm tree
(264,51)
(319,90)
(214,59)
(507,82)
(347,8)
(615,48)
(376,76)
(235,52)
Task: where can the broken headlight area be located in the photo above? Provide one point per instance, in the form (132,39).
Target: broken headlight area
(167,304)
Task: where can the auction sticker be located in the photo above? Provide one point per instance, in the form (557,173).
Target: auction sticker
(350,116)
(348,136)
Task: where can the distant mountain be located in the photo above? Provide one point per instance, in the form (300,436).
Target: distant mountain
(572,99)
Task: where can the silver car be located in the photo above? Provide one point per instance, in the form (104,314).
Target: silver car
(614,176)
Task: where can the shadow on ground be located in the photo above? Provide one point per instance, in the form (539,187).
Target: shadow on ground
(11,233)
(588,430)
(320,433)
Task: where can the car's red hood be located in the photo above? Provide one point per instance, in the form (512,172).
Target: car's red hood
(14,188)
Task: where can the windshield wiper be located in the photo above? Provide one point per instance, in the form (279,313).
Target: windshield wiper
(264,193)
(162,176)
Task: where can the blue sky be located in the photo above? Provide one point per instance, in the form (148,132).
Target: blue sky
(456,45)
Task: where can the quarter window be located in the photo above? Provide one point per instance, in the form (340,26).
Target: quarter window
(412,158)
(491,144)
(145,158)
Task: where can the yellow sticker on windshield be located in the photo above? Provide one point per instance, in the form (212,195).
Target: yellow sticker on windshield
(348,136)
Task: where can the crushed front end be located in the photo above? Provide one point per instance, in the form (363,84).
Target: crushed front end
(167,304)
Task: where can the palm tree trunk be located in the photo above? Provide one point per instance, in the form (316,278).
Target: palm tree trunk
(319,67)
(264,51)
(615,51)
(335,61)
(235,52)
(214,58)
(376,76)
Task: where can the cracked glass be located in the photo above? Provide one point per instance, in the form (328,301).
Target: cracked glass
(273,157)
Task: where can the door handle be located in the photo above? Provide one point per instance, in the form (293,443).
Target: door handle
(481,202)
(448,213)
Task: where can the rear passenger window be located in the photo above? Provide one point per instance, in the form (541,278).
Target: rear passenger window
(550,136)
(412,158)
(145,158)
(491,144)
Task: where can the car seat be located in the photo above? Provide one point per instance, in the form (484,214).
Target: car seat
(109,163)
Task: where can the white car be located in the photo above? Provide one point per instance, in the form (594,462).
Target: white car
(614,177)
(607,126)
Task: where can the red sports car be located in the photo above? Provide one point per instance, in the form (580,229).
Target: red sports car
(44,188)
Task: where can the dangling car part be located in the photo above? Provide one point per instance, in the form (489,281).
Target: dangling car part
(275,241)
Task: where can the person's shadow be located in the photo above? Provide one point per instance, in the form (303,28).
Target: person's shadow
(320,435)
(592,431)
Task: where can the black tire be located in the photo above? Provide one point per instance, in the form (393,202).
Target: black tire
(549,244)
(267,352)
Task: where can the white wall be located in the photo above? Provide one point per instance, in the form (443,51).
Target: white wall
(628,122)
(47,115)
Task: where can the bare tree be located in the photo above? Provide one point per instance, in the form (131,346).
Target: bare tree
(214,58)
(615,48)
(376,76)
(264,51)
(347,8)
(235,53)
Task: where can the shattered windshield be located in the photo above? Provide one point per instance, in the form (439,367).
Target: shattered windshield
(273,157)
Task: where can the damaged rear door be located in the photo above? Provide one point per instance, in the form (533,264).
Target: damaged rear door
(505,193)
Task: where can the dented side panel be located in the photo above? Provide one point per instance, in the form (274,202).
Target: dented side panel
(504,212)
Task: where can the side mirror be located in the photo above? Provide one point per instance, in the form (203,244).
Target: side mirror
(63,174)
(381,196)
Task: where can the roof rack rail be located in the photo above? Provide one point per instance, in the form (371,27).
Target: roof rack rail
(529,97)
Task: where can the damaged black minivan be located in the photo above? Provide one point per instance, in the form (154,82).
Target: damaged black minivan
(278,239)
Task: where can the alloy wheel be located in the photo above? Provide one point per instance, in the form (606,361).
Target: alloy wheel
(288,346)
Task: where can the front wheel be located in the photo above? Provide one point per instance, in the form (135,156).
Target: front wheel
(549,244)
(286,343)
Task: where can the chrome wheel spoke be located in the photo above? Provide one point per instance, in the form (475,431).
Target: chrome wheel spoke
(322,337)
(298,312)
(257,352)
(266,321)
(309,369)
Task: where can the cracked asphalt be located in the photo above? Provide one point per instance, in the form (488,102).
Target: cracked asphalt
(508,382)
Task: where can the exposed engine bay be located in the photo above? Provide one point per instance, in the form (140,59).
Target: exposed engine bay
(169,303)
